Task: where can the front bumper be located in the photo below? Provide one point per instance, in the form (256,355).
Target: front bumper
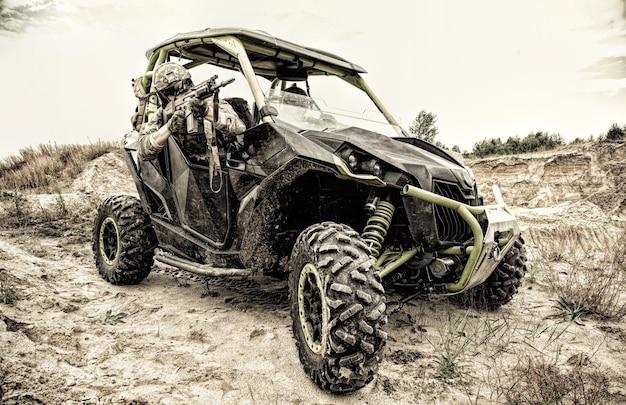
(486,249)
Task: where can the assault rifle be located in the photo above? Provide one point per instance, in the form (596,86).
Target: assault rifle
(204,90)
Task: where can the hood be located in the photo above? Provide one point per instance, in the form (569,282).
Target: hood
(419,159)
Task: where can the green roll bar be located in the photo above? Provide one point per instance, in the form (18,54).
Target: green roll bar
(482,255)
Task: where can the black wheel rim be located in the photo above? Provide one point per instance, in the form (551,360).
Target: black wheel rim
(109,241)
(312,309)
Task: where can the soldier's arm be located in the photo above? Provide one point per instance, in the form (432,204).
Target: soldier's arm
(155,135)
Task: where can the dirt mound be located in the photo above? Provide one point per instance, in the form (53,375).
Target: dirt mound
(591,172)
(574,196)
(107,174)
(103,176)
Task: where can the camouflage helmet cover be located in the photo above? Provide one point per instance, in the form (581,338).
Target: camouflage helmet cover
(167,74)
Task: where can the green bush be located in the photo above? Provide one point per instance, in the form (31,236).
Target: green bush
(533,142)
(615,133)
(536,141)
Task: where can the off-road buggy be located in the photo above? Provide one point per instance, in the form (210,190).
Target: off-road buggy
(324,189)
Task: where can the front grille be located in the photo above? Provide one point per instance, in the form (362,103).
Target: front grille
(450,226)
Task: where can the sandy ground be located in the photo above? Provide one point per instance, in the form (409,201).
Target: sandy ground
(68,337)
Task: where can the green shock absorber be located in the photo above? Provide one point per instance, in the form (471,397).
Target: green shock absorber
(377,226)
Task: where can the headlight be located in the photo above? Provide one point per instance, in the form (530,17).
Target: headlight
(468,177)
(372,166)
(377,170)
(353,161)
(359,162)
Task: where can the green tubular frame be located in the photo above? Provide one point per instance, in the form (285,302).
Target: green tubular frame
(238,49)
(466,212)
(399,260)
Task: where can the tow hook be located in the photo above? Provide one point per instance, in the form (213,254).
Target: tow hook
(496,252)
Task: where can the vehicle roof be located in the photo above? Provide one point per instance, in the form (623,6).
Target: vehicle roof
(266,52)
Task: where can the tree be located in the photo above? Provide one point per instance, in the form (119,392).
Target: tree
(615,133)
(532,142)
(424,126)
(487,147)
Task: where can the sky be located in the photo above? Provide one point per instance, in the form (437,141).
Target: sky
(486,68)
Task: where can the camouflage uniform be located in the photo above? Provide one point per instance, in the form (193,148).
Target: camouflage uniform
(194,144)
(148,149)
(169,78)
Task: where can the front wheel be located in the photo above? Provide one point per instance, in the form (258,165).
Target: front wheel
(503,283)
(337,307)
(123,240)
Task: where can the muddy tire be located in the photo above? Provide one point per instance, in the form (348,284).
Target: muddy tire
(123,240)
(337,305)
(503,283)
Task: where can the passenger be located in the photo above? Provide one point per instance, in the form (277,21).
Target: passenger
(294,95)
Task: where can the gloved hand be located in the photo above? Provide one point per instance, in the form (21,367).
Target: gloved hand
(177,123)
(197,107)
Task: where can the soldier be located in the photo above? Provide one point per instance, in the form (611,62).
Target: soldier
(294,95)
(170,79)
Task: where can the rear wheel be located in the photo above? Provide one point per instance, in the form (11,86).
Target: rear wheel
(123,240)
(337,307)
(503,283)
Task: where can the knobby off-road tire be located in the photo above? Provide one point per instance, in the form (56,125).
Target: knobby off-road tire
(503,283)
(123,240)
(337,307)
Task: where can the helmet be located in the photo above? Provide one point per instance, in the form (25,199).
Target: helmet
(168,74)
(294,89)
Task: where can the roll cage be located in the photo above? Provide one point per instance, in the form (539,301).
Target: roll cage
(256,53)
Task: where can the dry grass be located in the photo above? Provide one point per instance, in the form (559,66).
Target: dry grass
(584,286)
(537,382)
(196,335)
(45,166)
(7,289)
(590,287)
(17,210)
(498,358)
(45,169)
(451,357)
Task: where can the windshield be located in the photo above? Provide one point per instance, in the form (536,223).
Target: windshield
(330,104)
